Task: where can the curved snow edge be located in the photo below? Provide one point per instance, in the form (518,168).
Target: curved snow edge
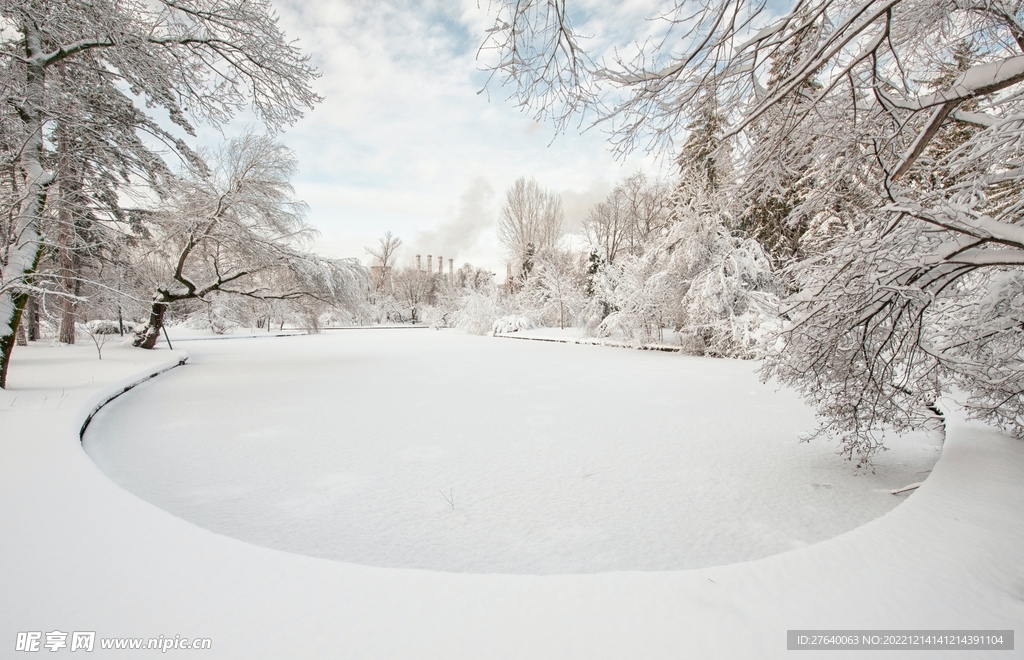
(595,341)
(108,394)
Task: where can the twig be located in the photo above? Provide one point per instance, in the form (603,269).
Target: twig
(450,498)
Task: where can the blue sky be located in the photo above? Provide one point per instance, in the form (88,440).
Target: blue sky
(406,142)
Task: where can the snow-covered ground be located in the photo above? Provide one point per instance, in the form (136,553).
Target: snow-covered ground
(82,554)
(462,453)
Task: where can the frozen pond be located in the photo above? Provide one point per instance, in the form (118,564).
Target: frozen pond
(434,450)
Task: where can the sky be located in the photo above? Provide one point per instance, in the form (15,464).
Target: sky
(408,139)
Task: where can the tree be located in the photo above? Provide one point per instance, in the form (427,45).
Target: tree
(99,156)
(414,288)
(648,204)
(700,278)
(530,221)
(907,288)
(237,230)
(385,257)
(202,58)
(629,219)
(608,224)
(554,294)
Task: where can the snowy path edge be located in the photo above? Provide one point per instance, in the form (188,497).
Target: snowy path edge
(108,394)
(664,348)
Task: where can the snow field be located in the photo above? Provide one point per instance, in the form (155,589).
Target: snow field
(80,553)
(449,452)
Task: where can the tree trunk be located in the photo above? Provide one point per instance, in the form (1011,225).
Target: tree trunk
(67,272)
(69,205)
(22,340)
(148,336)
(7,341)
(22,256)
(32,319)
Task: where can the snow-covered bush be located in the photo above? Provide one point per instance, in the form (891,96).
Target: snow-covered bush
(478,313)
(213,317)
(511,324)
(467,300)
(103,327)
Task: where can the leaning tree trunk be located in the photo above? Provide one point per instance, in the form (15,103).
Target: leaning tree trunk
(20,258)
(148,336)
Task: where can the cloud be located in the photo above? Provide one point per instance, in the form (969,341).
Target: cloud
(576,204)
(403,137)
(459,235)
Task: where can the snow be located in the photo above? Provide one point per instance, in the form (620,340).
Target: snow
(81,553)
(670,340)
(560,459)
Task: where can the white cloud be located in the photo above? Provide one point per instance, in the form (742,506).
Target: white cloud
(460,234)
(405,143)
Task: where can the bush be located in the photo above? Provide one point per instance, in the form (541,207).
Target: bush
(103,327)
(511,324)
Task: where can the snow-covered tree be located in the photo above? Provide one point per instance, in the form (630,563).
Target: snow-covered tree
(907,285)
(728,304)
(701,278)
(554,294)
(469,301)
(237,230)
(199,58)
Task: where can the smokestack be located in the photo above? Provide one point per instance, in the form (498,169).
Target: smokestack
(440,265)
(418,262)
(430,262)
(451,268)
(508,272)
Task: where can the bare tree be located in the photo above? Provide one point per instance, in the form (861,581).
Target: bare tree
(202,57)
(530,221)
(415,288)
(629,219)
(385,256)
(608,224)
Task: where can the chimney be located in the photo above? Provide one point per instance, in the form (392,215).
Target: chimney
(451,268)
(418,262)
(430,262)
(508,272)
(440,265)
